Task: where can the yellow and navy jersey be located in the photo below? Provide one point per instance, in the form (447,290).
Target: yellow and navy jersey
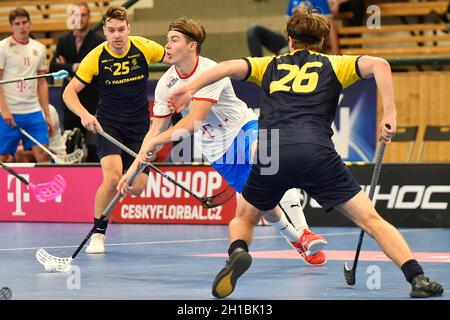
(300,93)
(122,80)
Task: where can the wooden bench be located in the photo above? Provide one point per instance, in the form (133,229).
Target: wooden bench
(397,9)
(48,15)
(426,39)
(401,38)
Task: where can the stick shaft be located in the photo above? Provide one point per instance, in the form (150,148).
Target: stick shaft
(26,78)
(15,174)
(134,154)
(29,136)
(108,210)
(373,185)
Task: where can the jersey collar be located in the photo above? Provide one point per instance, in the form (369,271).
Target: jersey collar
(115,55)
(190,74)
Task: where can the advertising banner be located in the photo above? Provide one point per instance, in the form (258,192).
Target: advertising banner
(75,204)
(163,202)
(407,195)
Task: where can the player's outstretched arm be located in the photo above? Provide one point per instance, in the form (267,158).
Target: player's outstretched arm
(185,127)
(381,71)
(236,69)
(70,97)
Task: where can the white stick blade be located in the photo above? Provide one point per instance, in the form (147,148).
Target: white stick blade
(61,264)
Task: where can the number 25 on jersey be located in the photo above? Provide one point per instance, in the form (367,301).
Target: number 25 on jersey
(121,68)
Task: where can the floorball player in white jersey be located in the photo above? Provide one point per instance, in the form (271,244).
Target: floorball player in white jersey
(225,129)
(22,102)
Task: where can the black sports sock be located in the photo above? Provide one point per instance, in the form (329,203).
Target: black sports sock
(411,269)
(102,227)
(237,244)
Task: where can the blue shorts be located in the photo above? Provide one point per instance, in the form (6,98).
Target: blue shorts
(235,165)
(33,123)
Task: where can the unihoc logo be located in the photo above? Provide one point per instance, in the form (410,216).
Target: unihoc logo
(19,194)
(411,197)
(400,197)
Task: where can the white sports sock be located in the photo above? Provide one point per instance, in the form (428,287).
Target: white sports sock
(286,229)
(292,207)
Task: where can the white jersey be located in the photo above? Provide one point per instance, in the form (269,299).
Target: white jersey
(227,116)
(18,60)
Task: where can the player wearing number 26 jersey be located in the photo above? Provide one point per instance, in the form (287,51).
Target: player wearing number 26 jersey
(300,93)
(299,98)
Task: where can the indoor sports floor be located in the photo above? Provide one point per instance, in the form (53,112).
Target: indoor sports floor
(179,262)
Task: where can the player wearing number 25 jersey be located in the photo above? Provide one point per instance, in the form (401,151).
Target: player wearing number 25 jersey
(122,82)
(120,68)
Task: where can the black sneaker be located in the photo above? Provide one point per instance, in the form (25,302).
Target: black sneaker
(238,262)
(423,287)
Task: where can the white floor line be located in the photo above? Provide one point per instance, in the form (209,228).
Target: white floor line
(331,234)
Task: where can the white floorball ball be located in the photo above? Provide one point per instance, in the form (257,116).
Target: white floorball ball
(51,266)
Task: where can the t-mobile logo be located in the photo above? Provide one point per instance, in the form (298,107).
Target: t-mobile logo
(19,194)
(16,194)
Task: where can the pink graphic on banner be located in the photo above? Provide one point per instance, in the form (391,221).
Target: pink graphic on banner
(75,204)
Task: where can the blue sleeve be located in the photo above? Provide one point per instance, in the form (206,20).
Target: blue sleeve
(291,5)
(321,6)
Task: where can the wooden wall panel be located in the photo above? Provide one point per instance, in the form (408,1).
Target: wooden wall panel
(422,98)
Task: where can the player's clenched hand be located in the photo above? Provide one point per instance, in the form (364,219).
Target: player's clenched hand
(91,123)
(147,155)
(388,128)
(8,117)
(179,99)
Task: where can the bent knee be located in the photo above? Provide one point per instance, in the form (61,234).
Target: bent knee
(111,181)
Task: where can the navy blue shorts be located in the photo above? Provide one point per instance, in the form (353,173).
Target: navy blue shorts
(317,170)
(130,135)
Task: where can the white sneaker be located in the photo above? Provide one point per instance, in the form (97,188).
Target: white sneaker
(97,244)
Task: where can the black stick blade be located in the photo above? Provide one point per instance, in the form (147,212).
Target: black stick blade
(349,275)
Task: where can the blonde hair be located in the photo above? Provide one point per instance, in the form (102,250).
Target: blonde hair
(307,30)
(191,29)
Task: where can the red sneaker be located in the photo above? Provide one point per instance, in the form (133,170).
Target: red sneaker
(309,243)
(317,259)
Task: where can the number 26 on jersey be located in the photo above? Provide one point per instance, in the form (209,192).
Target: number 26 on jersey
(302,80)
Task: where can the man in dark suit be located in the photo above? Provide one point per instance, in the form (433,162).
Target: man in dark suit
(71,49)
